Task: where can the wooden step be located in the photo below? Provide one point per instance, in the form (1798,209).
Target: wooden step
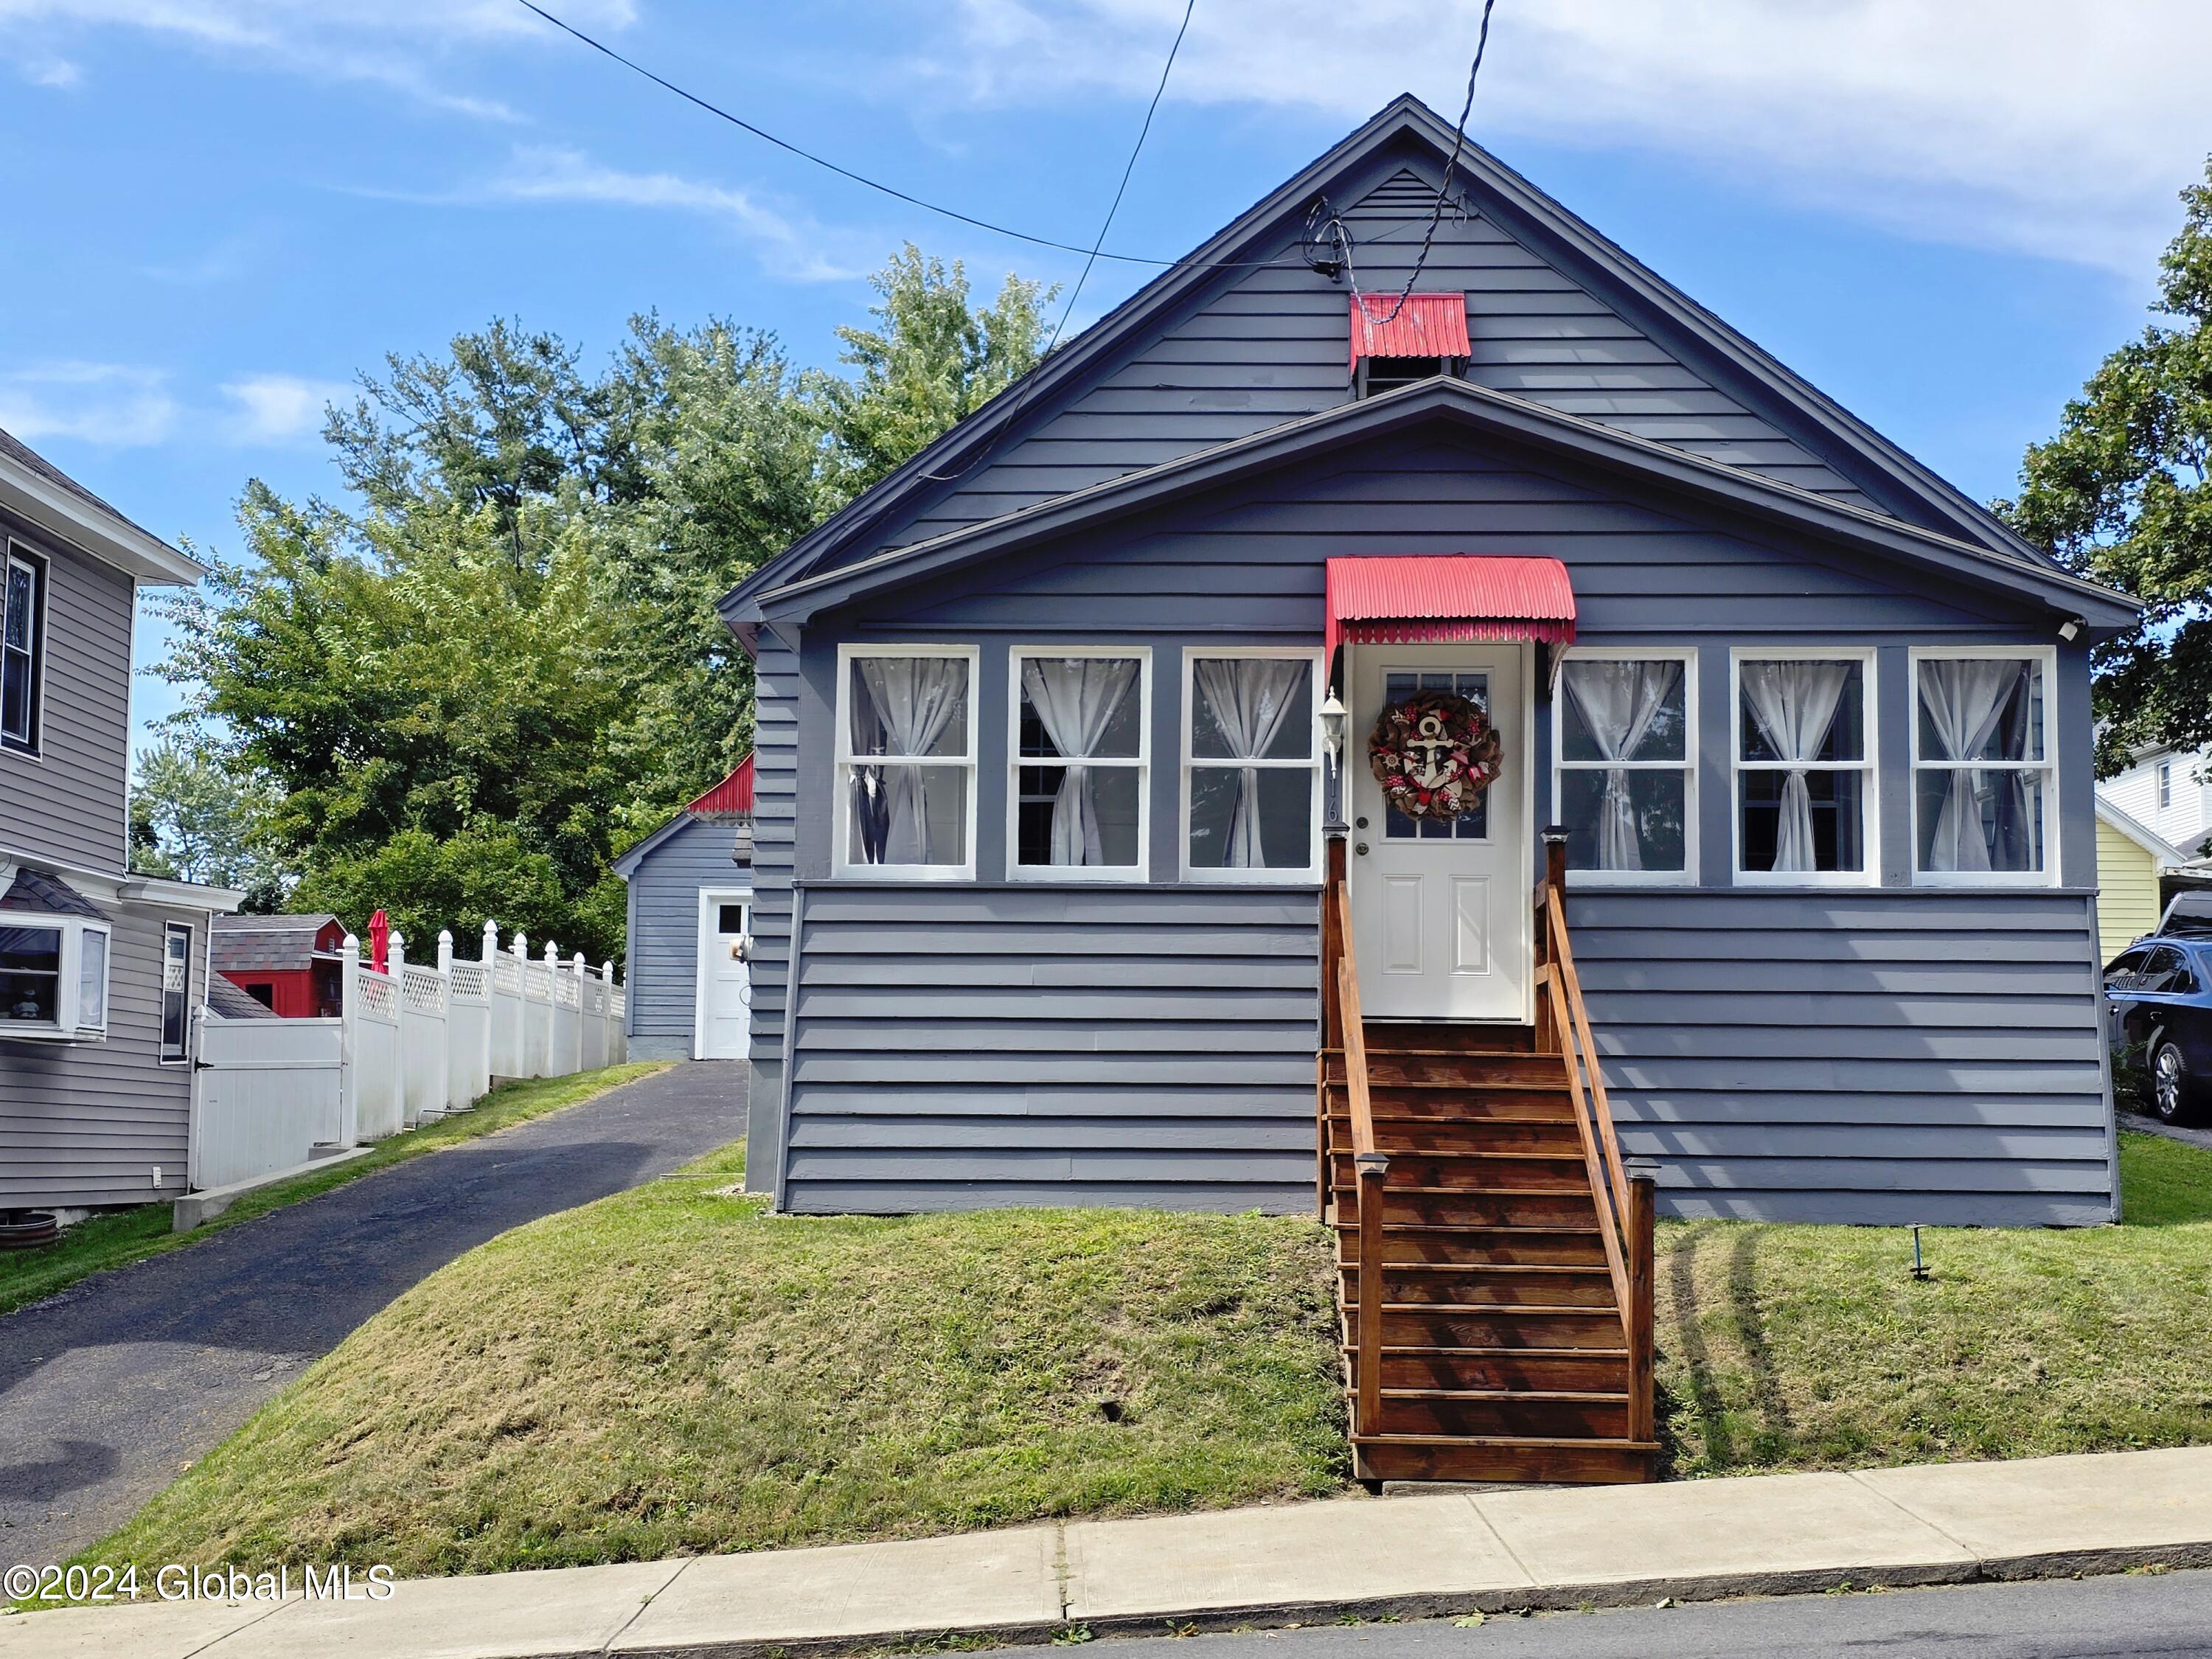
(1501,1457)
(1417,1065)
(1462,1284)
(1520,1325)
(1514,1102)
(1485,1413)
(1510,1207)
(1528,1171)
(1385,1036)
(1602,1370)
(1568,1246)
(1396,1132)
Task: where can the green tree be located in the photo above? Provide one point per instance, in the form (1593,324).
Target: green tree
(934,361)
(194,819)
(2121,494)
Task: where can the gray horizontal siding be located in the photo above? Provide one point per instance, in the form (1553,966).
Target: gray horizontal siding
(83,1125)
(1884,1056)
(1106,1046)
(775,782)
(661,964)
(67,803)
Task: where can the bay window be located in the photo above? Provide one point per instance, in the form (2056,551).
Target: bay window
(53,976)
(1982,781)
(906,761)
(1251,765)
(1078,773)
(1624,776)
(1804,768)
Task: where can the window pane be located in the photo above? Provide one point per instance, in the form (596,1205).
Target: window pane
(1981,708)
(31,974)
(1251,817)
(1624,711)
(908,814)
(731,919)
(15,694)
(92,981)
(910,705)
(1251,709)
(1622,820)
(1798,822)
(1091,821)
(1969,821)
(176,979)
(17,630)
(1801,711)
(1078,707)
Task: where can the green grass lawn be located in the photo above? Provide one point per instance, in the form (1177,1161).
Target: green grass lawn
(126,1236)
(673,1370)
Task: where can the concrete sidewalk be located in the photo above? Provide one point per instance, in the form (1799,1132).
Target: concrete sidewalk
(1429,1555)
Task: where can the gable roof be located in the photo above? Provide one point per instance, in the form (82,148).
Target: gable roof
(729,801)
(2166,855)
(1495,414)
(50,498)
(1494,188)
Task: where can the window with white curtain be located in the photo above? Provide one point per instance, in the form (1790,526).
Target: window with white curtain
(1079,762)
(906,761)
(1251,766)
(1624,771)
(1804,768)
(1981,782)
(53,976)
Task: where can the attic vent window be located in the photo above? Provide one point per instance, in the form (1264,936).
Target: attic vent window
(1427,337)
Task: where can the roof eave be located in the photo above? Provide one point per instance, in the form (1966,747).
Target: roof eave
(111,539)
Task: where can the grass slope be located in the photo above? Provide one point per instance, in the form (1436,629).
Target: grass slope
(126,1236)
(673,1370)
(1814,1347)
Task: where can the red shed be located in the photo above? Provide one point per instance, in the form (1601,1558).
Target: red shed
(288,963)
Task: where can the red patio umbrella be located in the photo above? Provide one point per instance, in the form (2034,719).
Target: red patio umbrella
(380,942)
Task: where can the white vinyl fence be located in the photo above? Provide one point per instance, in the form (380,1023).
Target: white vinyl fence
(413,1044)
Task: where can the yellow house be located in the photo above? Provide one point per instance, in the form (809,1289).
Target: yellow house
(2129,857)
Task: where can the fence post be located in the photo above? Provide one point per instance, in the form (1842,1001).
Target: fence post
(348,1017)
(551,1053)
(577,964)
(395,966)
(487,954)
(445,950)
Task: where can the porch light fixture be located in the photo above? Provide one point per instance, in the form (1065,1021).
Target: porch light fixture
(1331,726)
(2071,629)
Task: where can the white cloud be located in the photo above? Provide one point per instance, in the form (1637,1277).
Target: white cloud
(110,403)
(387,42)
(275,409)
(43,69)
(2057,127)
(792,247)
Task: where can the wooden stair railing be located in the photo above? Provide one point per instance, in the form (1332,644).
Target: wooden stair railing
(1344,1033)
(1625,1204)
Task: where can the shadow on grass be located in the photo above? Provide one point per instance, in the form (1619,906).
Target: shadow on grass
(1721,1426)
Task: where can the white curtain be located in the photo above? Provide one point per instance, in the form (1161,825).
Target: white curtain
(1249,698)
(1965,700)
(911,701)
(1618,701)
(1794,704)
(1076,698)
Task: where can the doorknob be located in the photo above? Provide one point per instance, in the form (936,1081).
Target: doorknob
(1360,847)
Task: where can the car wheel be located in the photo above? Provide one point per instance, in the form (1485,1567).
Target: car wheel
(2171,1093)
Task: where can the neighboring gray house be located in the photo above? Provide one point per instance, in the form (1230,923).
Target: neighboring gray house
(1044,721)
(690,896)
(100,971)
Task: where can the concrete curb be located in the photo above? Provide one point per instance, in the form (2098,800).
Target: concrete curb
(193,1208)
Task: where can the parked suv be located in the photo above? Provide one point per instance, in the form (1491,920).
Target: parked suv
(2158,1012)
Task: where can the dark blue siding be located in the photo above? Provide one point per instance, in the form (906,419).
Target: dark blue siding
(662,971)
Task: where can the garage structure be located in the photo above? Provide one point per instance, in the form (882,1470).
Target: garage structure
(690,907)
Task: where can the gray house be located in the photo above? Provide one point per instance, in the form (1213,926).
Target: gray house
(691,898)
(1046,721)
(100,971)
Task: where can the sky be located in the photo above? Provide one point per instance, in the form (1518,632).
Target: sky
(220,211)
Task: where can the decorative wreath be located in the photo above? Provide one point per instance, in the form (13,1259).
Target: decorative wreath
(1434,754)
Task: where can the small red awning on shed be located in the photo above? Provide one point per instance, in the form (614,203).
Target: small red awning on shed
(732,797)
(1427,325)
(1404,598)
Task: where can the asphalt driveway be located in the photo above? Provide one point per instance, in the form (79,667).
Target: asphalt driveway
(108,1389)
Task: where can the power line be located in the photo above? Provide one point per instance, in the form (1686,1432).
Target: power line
(1091,255)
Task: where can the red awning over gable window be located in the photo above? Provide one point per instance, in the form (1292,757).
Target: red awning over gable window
(1406,598)
(732,797)
(1427,325)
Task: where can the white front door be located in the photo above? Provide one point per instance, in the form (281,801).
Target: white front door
(1440,909)
(726,997)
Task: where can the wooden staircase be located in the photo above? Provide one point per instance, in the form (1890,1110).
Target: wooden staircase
(1504,1331)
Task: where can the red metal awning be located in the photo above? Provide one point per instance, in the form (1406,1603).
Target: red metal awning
(1427,325)
(1400,598)
(732,797)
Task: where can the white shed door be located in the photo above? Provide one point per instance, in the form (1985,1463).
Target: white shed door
(726,995)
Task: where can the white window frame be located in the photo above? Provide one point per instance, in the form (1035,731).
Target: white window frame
(1317,752)
(841,863)
(184,1054)
(70,1026)
(1141,870)
(30,745)
(2046,657)
(1688,656)
(2162,772)
(1870,802)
